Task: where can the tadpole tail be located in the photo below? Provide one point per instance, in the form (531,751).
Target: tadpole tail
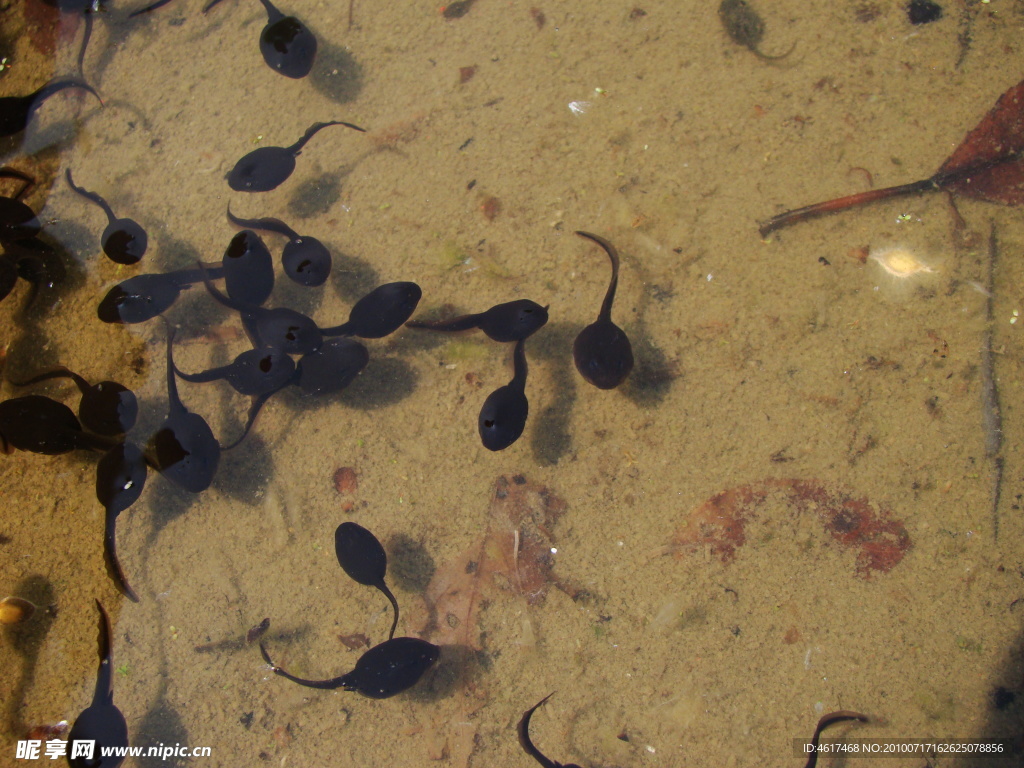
(110,555)
(461,323)
(523,730)
(609,297)
(254,410)
(273,14)
(394,604)
(314,129)
(337,682)
(105,676)
(842,203)
(91,196)
(519,366)
(267,224)
(152,7)
(57,373)
(830,719)
(59,85)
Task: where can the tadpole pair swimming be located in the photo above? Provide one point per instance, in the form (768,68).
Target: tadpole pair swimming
(24,255)
(503,416)
(107,411)
(392,666)
(304,259)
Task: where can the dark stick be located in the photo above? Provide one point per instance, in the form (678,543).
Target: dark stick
(842,203)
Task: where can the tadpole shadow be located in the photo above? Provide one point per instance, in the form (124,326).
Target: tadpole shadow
(316,196)
(245,471)
(457,666)
(166,502)
(161,725)
(653,373)
(352,277)
(385,382)
(336,74)
(411,566)
(550,434)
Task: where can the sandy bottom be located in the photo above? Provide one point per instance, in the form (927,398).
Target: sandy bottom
(789,508)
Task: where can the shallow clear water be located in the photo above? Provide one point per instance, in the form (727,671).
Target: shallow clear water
(794,373)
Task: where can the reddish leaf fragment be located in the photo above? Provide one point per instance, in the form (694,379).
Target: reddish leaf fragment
(719,523)
(992,155)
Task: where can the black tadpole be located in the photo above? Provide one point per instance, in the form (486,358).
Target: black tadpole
(382,672)
(38,424)
(120,478)
(602,352)
(101,722)
(379,313)
(184,449)
(107,408)
(123,240)
(746,28)
(8,276)
(17,221)
(523,729)
(16,111)
(266,168)
(503,415)
(254,372)
(363,558)
(332,367)
(279,328)
(258,373)
(287,45)
(511,321)
(143,297)
(248,268)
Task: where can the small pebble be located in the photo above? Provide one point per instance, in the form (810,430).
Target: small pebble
(14,610)
(345,480)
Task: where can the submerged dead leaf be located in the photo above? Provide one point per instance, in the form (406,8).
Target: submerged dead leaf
(514,557)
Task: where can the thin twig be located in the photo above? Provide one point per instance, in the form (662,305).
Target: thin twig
(990,415)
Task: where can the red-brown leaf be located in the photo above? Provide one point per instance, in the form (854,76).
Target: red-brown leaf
(996,148)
